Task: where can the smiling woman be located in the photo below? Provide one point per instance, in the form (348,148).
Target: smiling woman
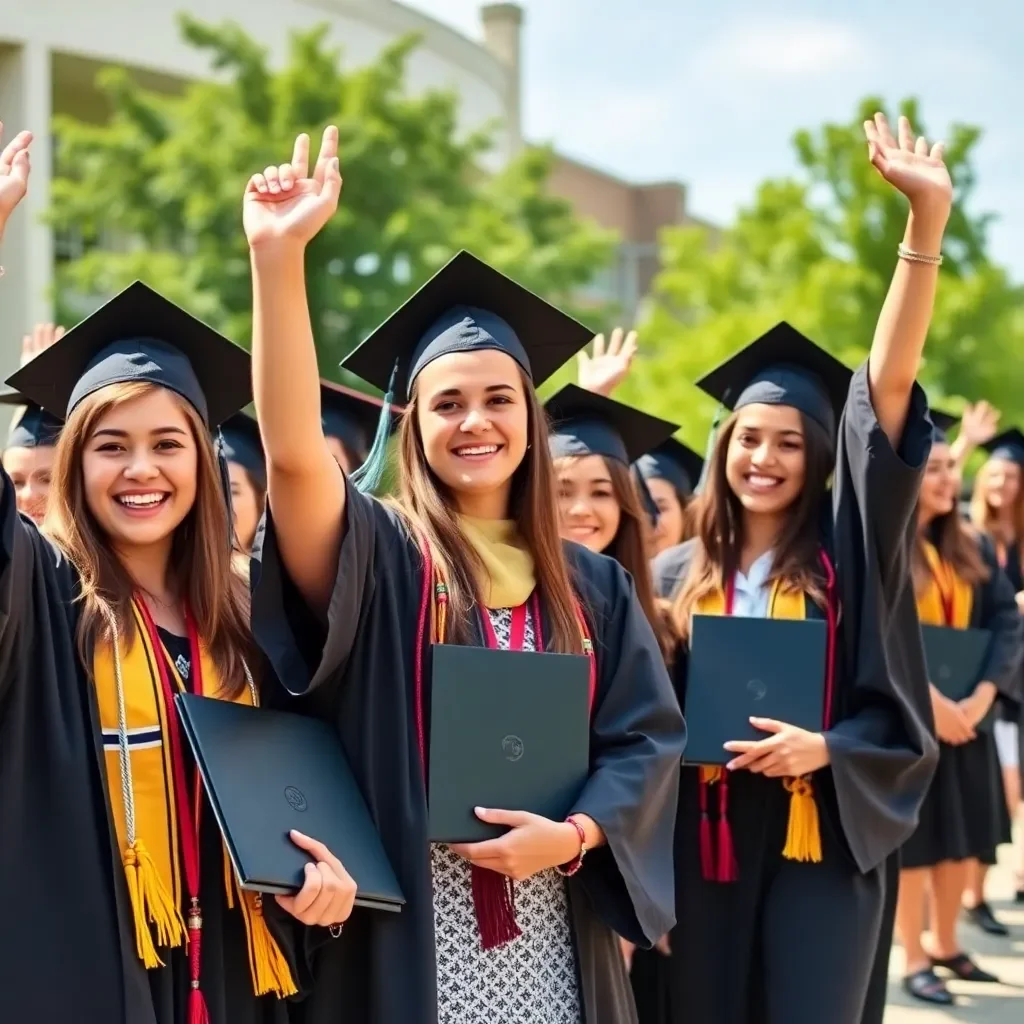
(352,593)
(112,860)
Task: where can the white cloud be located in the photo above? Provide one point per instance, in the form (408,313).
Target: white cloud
(783,50)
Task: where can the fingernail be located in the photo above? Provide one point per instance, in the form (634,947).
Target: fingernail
(479,810)
(296,834)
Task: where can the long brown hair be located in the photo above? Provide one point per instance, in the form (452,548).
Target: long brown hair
(629,547)
(216,596)
(429,506)
(718,526)
(982,516)
(957,545)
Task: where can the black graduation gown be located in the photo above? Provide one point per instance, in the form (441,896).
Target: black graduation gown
(792,943)
(69,956)
(358,671)
(964,814)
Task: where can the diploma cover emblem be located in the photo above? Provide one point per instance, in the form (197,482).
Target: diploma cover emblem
(295,798)
(512,748)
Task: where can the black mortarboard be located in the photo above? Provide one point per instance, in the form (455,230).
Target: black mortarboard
(241,443)
(942,423)
(1009,445)
(583,423)
(673,461)
(351,416)
(783,367)
(34,427)
(140,336)
(467,306)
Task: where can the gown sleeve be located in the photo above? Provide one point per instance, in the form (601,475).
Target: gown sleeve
(1000,615)
(304,650)
(882,746)
(669,569)
(637,741)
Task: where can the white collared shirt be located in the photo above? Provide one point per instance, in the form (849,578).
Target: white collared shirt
(751,593)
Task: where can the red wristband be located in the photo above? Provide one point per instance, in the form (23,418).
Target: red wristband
(570,869)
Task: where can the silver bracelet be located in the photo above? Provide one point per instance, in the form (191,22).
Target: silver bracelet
(336,930)
(918,257)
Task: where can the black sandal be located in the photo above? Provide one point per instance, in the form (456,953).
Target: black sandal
(964,968)
(927,986)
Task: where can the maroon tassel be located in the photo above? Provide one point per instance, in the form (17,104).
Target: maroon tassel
(197,1010)
(707,857)
(728,870)
(494,902)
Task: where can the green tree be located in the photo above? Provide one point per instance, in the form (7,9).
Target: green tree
(156,191)
(819,250)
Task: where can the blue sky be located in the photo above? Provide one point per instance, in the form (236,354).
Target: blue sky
(712,94)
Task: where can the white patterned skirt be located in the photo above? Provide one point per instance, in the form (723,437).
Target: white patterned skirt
(531,980)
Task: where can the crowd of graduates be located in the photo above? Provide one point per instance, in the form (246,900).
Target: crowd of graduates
(157,538)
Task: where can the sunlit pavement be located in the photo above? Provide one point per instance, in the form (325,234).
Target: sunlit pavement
(978,1004)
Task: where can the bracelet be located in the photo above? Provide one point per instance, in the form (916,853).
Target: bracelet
(336,930)
(918,257)
(570,869)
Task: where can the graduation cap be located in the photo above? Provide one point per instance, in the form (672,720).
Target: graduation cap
(783,367)
(34,428)
(352,417)
(673,461)
(942,423)
(583,423)
(466,306)
(1007,446)
(240,442)
(140,336)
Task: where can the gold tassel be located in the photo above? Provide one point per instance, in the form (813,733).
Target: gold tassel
(269,968)
(710,773)
(150,903)
(803,833)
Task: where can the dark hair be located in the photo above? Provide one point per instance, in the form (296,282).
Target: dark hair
(957,545)
(429,507)
(718,524)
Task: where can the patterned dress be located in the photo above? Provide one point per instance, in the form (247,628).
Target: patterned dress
(531,980)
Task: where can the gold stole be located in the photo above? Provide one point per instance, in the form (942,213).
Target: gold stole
(803,833)
(508,564)
(140,779)
(947,600)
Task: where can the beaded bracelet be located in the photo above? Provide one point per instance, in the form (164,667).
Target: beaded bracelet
(918,257)
(570,869)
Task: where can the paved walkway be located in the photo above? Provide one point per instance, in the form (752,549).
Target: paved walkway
(978,1004)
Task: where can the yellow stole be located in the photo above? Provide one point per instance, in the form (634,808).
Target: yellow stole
(508,565)
(803,832)
(947,600)
(140,782)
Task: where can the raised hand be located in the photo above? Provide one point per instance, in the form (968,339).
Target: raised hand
(285,204)
(14,172)
(41,337)
(909,164)
(979,423)
(606,369)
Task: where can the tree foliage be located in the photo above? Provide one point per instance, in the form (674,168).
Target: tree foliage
(819,250)
(156,191)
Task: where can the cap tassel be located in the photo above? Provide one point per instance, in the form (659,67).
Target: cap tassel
(225,486)
(716,422)
(151,903)
(646,498)
(494,903)
(803,833)
(368,476)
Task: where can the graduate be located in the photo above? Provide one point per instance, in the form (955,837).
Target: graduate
(350,594)
(997,510)
(593,441)
(780,880)
(28,454)
(671,472)
(127,596)
(958,584)
(350,421)
(247,477)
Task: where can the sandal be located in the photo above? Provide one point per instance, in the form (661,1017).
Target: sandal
(964,968)
(927,986)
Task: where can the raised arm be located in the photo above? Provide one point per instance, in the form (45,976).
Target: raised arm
(284,208)
(918,171)
(979,424)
